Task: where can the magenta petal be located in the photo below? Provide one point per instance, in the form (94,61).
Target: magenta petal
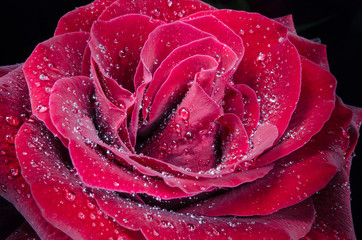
(14,111)
(176,85)
(82,18)
(116,46)
(289,223)
(51,60)
(192,131)
(314,108)
(294,177)
(61,197)
(314,51)
(333,210)
(271,64)
(207,46)
(167,11)
(234,139)
(6,69)
(288,22)
(223,33)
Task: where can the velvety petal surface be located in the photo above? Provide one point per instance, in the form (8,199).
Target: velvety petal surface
(294,177)
(51,60)
(60,195)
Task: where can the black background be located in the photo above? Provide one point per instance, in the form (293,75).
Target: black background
(338,24)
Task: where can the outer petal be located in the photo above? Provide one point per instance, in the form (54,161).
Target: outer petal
(6,69)
(82,18)
(314,108)
(51,60)
(14,110)
(290,223)
(293,179)
(61,197)
(164,10)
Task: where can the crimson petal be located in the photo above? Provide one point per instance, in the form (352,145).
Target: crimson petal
(58,57)
(193,132)
(271,64)
(14,111)
(6,69)
(59,191)
(82,18)
(166,11)
(314,108)
(289,223)
(294,177)
(116,46)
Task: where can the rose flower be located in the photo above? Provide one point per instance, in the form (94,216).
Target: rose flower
(176,120)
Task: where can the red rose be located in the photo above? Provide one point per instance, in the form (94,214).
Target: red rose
(175,120)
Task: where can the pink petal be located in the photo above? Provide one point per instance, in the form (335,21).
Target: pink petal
(314,51)
(51,60)
(223,33)
(288,22)
(293,179)
(206,46)
(82,18)
(314,108)
(116,45)
(6,69)
(61,197)
(198,68)
(188,135)
(271,64)
(290,223)
(14,110)
(251,107)
(167,11)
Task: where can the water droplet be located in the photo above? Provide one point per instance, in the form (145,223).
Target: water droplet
(261,57)
(92,216)
(10,138)
(190,227)
(70,196)
(116,184)
(90,204)
(44,77)
(2,153)
(156,13)
(3,188)
(41,108)
(122,53)
(280,39)
(14,172)
(184,114)
(81,216)
(169,3)
(12,120)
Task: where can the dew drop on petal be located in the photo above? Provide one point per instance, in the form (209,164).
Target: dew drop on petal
(184,114)
(12,120)
(70,196)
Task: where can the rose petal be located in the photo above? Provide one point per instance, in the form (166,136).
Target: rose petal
(251,107)
(82,18)
(51,60)
(290,223)
(174,88)
(294,177)
(288,22)
(192,130)
(206,46)
(116,45)
(314,51)
(271,64)
(14,110)
(6,69)
(331,203)
(59,191)
(166,11)
(314,108)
